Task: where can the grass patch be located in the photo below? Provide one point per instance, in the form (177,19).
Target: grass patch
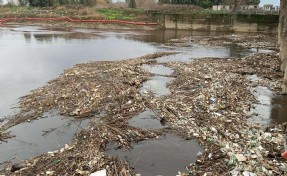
(117,14)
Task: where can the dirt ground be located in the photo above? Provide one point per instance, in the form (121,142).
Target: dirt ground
(210,101)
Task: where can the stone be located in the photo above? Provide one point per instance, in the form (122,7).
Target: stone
(18,166)
(240,157)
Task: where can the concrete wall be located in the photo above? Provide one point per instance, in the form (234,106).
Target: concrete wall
(282,38)
(220,22)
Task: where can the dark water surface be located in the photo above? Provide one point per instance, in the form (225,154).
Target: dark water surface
(164,156)
(270,108)
(31,55)
(147,120)
(40,136)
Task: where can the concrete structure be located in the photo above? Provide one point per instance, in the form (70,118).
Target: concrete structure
(230,7)
(220,22)
(269,7)
(221,7)
(282,39)
(4,2)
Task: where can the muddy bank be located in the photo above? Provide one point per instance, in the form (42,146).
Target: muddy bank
(102,26)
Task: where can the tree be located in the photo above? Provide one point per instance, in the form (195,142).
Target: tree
(282,38)
(164,1)
(252,2)
(23,2)
(132,3)
(237,4)
(46,3)
(243,2)
(203,3)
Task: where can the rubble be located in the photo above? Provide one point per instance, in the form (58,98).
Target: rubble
(210,101)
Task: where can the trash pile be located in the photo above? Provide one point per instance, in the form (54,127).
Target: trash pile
(87,90)
(106,92)
(4,135)
(245,41)
(259,41)
(210,101)
(86,155)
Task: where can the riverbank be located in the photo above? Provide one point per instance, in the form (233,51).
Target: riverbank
(160,16)
(209,100)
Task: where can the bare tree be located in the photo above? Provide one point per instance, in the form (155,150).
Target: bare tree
(282,38)
(237,4)
(146,4)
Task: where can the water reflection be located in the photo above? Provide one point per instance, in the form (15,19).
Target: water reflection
(27,63)
(31,56)
(163,36)
(164,156)
(279,109)
(271,108)
(28,37)
(157,85)
(147,120)
(38,137)
(158,69)
(66,36)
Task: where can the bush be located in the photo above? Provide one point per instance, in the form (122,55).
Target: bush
(47,3)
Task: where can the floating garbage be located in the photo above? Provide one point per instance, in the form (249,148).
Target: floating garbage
(99,173)
(209,102)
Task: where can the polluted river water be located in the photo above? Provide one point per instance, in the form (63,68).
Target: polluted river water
(164,156)
(32,55)
(167,154)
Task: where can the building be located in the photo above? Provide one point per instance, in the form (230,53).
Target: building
(268,7)
(221,7)
(230,7)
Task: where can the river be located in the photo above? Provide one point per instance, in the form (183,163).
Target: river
(33,55)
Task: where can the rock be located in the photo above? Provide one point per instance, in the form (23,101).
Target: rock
(240,157)
(267,135)
(18,166)
(50,172)
(247,173)
(100,173)
(283,167)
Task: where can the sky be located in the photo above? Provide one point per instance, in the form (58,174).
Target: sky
(274,2)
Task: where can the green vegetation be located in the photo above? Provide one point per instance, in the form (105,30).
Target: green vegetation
(75,12)
(132,3)
(50,3)
(202,3)
(119,14)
